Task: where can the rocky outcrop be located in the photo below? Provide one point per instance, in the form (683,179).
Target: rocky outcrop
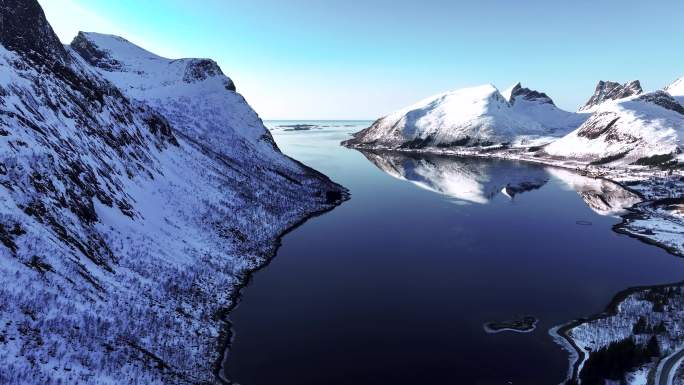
(607,90)
(94,55)
(662,99)
(520,92)
(24,29)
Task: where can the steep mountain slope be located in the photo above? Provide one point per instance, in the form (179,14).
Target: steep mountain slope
(607,90)
(191,93)
(477,116)
(645,129)
(128,219)
(676,89)
(539,107)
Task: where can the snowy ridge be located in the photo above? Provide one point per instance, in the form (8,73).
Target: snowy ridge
(540,108)
(641,129)
(477,116)
(472,117)
(192,93)
(126,221)
(676,89)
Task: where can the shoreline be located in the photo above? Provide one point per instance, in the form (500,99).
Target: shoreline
(579,355)
(226,334)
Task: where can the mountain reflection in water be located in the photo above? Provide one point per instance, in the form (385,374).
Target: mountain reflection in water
(639,336)
(480,180)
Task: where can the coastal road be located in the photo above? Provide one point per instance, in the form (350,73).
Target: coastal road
(669,367)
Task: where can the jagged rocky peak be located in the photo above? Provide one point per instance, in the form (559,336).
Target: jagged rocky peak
(607,90)
(520,92)
(24,29)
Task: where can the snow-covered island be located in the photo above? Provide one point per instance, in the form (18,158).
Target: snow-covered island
(138,192)
(621,134)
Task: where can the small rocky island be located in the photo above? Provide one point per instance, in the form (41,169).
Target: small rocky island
(524,324)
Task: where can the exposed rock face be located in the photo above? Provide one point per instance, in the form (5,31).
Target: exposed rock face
(94,55)
(135,192)
(662,99)
(607,90)
(519,92)
(24,29)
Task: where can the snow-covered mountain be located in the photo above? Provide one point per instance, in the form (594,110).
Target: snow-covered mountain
(477,116)
(607,90)
(136,192)
(471,117)
(468,180)
(192,93)
(539,107)
(676,89)
(646,129)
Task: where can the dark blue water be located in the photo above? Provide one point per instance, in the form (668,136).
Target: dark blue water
(393,287)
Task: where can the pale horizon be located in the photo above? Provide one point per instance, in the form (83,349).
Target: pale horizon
(313,62)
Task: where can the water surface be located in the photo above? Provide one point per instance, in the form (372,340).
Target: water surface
(394,286)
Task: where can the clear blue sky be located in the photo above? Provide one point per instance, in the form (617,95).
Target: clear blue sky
(308,59)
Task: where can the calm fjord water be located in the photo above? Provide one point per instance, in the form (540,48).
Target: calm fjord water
(393,287)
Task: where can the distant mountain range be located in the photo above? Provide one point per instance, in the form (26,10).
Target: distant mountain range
(619,124)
